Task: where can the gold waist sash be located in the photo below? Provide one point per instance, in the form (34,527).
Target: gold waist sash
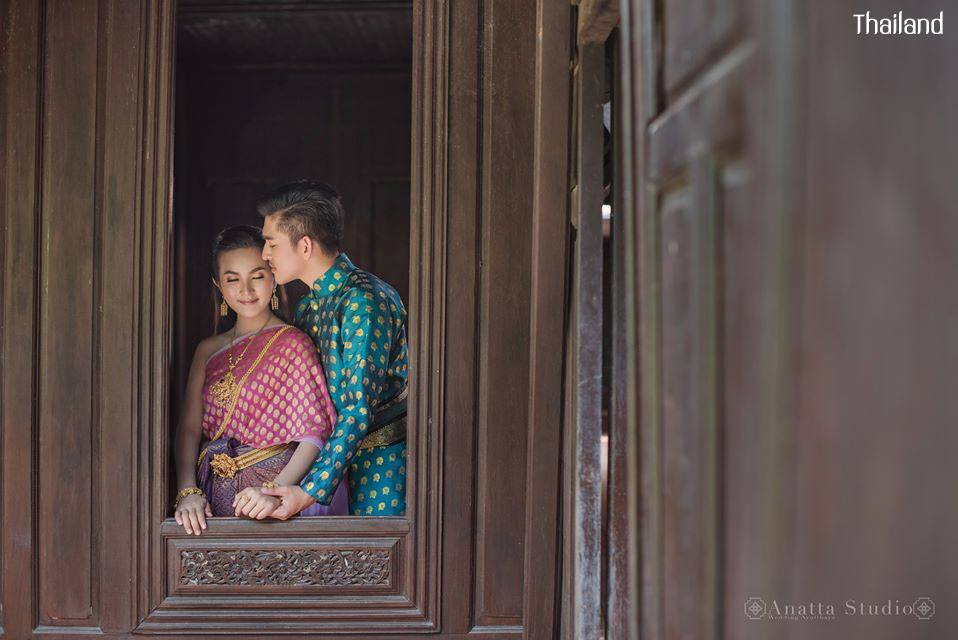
(390,434)
(226,466)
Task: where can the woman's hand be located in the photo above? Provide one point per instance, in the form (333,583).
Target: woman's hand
(253,503)
(192,513)
(294,500)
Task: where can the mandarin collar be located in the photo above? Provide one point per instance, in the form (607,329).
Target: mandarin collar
(334,278)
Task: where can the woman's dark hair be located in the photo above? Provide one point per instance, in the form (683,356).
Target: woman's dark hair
(241,236)
(307,208)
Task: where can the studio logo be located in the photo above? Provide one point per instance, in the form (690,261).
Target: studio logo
(924,608)
(755,608)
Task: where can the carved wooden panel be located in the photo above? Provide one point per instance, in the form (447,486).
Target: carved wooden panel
(290,566)
(293,568)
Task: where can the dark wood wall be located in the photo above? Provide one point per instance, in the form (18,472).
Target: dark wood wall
(89,291)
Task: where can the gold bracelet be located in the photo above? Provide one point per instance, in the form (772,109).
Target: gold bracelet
(189,491)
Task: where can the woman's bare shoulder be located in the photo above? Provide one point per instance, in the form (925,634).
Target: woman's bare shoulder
(209,346)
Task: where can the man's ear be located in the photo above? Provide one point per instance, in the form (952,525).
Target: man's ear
(306,247)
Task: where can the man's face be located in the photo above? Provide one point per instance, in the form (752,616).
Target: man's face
(286,260)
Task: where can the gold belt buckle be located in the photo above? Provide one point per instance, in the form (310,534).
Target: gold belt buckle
(224,465)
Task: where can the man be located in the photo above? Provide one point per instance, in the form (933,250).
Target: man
(358,323)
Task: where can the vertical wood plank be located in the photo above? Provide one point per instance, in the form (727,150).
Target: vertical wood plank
(680,453)
(623,540)
(151,303)
(648,409)
(550,239)
(118,122)
(68,369)
(465,94)
(759,316)
(584,467)
(22,102)
(429,277)
(641,27)
(689,425)
(507,119)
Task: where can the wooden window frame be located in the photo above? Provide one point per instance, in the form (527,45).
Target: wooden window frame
(348,575)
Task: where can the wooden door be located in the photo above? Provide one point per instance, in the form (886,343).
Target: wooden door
(87,544)
(789,375)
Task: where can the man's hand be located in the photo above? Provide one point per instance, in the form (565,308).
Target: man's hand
(292,501)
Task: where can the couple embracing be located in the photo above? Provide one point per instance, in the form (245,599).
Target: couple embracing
(307,419)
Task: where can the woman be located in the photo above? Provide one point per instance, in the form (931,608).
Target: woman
(256,398)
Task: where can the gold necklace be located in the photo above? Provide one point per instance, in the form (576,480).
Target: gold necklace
(224,390)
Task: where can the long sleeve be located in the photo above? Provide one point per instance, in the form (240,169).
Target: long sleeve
(359,347)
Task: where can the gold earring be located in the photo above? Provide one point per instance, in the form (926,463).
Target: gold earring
(274,302)
(223,309)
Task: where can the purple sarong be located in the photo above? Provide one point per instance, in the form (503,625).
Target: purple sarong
(221,491)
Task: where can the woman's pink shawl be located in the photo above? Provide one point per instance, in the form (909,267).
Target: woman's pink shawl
(284,399)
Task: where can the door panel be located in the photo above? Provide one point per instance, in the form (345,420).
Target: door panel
(695,33)
(791,191)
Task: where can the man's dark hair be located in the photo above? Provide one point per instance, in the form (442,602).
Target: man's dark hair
(307,208)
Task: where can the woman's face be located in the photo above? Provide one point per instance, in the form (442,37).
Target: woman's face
(245,281)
